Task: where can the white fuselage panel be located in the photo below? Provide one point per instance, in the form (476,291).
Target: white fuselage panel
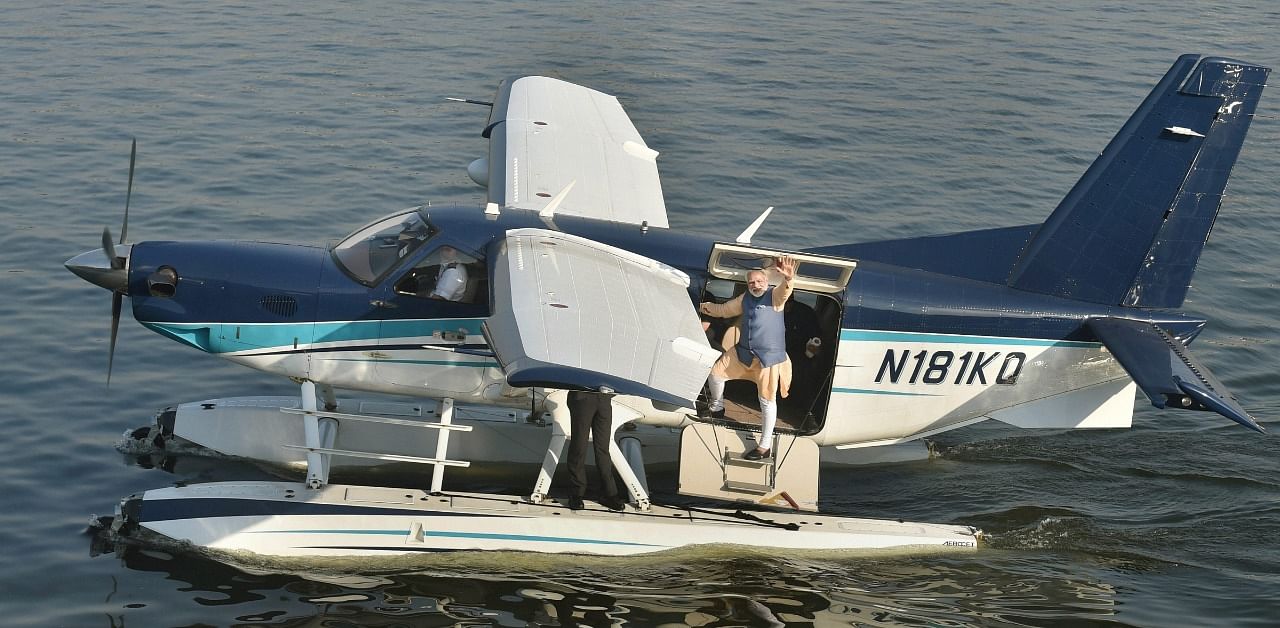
(891,386)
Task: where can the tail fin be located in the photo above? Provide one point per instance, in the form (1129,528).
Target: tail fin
(1131,230)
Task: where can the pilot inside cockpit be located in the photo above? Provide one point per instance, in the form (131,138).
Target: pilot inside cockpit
(446,274)
(451,277)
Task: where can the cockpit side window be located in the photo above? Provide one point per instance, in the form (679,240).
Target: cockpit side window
(447,274)
(376,248)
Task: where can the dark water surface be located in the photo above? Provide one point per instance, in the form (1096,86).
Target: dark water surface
(300,121)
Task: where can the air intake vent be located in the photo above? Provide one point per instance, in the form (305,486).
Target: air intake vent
(280,305)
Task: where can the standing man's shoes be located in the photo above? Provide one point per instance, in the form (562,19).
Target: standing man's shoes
(575,503)
(614,503)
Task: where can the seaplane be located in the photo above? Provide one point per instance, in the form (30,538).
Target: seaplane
(569,277)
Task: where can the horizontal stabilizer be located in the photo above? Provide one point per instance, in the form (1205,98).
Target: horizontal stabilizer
(1165,370)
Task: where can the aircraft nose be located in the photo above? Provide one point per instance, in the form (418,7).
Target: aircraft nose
(95,267)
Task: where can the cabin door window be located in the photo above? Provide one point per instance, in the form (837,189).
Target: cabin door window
(431,309)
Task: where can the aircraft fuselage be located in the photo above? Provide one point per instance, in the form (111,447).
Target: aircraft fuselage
(914,351)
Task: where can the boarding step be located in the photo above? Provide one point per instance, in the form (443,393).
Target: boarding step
(749,476)
(711,465)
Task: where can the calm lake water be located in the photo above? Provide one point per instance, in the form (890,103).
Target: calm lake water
(859,121)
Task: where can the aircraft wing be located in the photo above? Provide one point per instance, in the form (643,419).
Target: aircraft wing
(573,313)
(546,134)
(1163,368)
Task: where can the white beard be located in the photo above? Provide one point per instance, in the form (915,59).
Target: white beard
(757,293)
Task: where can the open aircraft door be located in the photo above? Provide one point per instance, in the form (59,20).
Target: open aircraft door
(813,318)
(814,273)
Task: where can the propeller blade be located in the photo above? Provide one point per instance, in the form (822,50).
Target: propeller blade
(133,155)
(117,297)
(116,300)
(110,249)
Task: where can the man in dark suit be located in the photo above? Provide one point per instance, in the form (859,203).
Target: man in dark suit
(591,413)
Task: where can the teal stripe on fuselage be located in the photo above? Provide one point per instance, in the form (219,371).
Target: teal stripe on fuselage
(864,391)
(199,335)
(230,337)
(342,331)
(863,335)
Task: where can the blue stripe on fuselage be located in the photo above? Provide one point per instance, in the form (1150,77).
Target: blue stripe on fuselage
(892,299)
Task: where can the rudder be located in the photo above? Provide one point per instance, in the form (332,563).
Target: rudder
(1131,230)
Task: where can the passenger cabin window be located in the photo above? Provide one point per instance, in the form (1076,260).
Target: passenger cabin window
(375,249)
(447,274)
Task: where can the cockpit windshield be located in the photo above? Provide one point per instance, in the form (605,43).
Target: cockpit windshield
(374,249)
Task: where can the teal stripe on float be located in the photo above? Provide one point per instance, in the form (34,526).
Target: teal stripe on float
(528,537)
(465,535)
(432,362)
(862,335)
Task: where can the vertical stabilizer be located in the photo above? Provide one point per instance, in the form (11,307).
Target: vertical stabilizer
(1131,230)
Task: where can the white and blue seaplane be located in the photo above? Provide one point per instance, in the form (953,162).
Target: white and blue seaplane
(569,278)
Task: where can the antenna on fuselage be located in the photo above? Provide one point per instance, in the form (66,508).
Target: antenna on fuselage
(745,236)
(469,101)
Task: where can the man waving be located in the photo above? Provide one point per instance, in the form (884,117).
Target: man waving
(760,352)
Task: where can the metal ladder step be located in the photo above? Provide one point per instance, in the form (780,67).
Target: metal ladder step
(318,455)
(748,476)
(351,453)
(737,461)
(376,419)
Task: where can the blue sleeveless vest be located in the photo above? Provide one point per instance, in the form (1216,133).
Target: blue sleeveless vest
(764,333)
